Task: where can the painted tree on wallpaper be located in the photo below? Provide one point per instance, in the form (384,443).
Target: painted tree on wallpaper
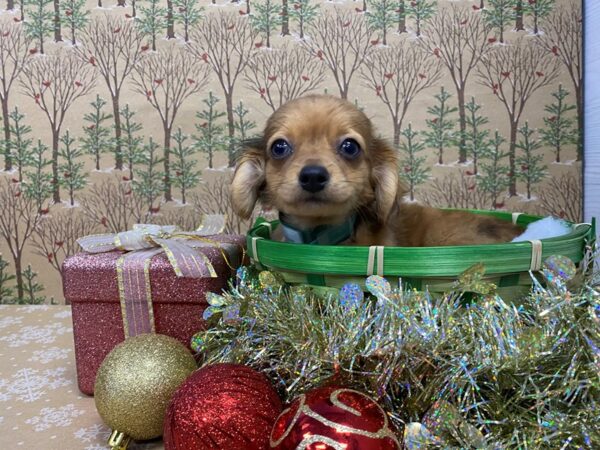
(113,206)
(401,16)
(40,23)
(187,14)
(499,14)
(343,40)
(283,74)
(210,138)
(75,16)
(303,13)
(186,173)
(14,51)
(538,10)
(20,144)
(7,291)
(37,182)
(244,125)
(493,176)
(518,12)
(167,79)
(285,18)
(514,73)
(170,20)
(20,217)
(396,74)
(560,130)
(96,134)
(31,289)
(131,140)
(55,83)
(55,237)
(420,11)
(562,197)
(531,169)
(113,47)
(441,123)
(412,165)
(71,171)
(459,39)
(562,40)
(226,42)
(152,20)
(133,14)
(265,19)
(381,17)
(57,22)
(149,183)
(476,136)
(217,193)
(456,190)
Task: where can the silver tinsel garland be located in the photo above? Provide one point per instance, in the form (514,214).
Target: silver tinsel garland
(455,371)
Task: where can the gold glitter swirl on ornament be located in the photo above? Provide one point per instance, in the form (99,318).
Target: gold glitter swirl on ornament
(136,381)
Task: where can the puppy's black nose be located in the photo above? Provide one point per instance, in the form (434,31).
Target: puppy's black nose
(313,178)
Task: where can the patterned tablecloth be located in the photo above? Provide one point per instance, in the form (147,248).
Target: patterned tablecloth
(41,407)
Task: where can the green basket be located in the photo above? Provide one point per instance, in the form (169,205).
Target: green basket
(435,268)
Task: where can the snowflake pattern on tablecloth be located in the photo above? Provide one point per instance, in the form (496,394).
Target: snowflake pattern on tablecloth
(8,321)
(44,334)
(39,400)
(54,417)
(63,314)
(34,308)
(95,433)
(49,355)
(28,385)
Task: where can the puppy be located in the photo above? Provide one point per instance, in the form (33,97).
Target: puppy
(333,181)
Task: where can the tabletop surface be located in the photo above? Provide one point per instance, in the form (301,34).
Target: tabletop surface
(41,407)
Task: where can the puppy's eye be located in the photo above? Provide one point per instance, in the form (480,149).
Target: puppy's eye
(349,148)
(280,149)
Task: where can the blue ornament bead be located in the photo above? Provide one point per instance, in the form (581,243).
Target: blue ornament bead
(351,295)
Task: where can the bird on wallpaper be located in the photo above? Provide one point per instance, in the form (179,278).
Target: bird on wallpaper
(321,165)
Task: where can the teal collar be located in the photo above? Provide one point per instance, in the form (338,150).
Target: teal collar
(321,235)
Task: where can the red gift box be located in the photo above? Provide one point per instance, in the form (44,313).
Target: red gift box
(90,284)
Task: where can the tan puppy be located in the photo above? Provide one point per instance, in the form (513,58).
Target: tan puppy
(333,181)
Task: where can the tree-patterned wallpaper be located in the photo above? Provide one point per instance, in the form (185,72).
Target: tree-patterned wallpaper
(127,112)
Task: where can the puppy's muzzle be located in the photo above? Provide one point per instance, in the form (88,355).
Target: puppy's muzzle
(313,178)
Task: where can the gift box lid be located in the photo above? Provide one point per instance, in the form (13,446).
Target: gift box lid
(93,277)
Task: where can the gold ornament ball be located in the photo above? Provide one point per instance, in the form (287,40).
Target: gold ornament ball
(136,381)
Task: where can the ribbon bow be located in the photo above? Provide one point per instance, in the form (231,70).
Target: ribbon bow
(144,242)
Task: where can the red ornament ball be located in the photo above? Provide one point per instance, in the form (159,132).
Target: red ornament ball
(333,418)
(222,406)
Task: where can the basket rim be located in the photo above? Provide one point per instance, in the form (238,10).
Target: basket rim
(449,261)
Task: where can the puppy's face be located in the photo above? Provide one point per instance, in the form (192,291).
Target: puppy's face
(318,162)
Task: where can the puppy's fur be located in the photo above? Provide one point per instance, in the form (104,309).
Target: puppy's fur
(367,184)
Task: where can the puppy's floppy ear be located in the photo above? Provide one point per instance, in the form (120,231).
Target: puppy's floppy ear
(248,179)
(384,178)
